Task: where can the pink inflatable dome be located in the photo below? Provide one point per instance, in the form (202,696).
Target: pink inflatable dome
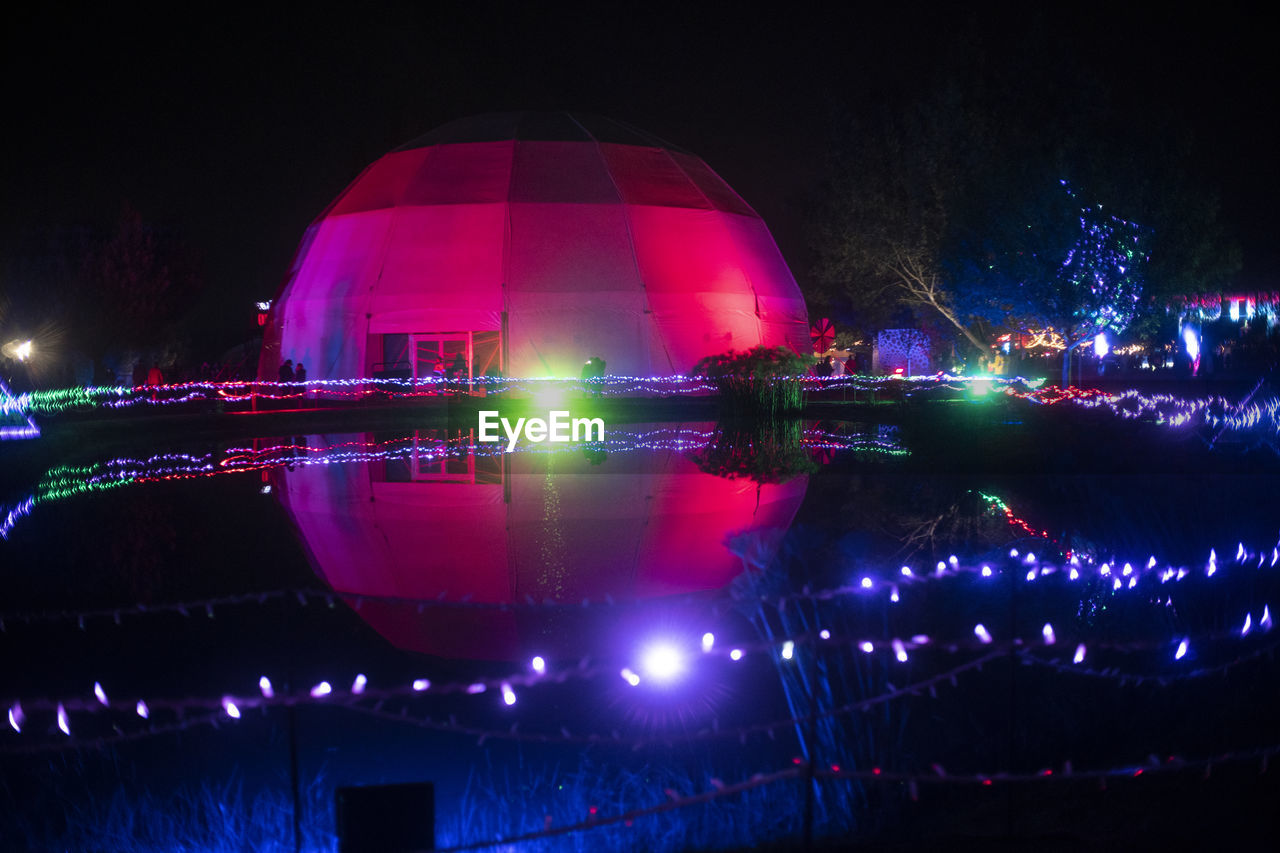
(527,243)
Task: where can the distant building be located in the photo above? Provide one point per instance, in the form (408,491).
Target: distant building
(528,243)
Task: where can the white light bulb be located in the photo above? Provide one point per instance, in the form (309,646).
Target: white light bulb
(708,640)
(1079,654)
(788,650)
(264,684)
(63,724)
(143,711)
(508,695)
(357,686)
(899,651)
(981,632)
(1181,652)
(421,684)
(1047,631)
(539,665)
(230,707)
(324,688)
(100,694)
(662,662)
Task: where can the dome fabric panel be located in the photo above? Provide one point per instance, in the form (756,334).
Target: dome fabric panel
(462,174)
(565,172)
(447,251)
(573,236)
(381,185)
(649,176)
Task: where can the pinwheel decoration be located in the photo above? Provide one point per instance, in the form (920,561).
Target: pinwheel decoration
(823,335)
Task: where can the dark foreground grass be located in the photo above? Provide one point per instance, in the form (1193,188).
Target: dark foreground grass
(494,804)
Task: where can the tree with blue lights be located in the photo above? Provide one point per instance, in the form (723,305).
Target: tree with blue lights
(1055,263)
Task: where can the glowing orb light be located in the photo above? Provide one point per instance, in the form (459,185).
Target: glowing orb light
(662,662)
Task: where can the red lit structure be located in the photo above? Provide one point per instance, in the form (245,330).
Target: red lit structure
(527,243)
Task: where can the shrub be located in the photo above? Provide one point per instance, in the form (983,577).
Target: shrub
(761,383)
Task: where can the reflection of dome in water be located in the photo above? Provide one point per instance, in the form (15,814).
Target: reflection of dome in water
(528,242)
(537,526)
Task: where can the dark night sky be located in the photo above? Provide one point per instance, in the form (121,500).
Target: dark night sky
(239,127)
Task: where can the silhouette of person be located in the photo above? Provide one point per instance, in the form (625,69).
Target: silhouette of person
(457,370)
(300,373)
(826,367)
(593,369)
(286,371)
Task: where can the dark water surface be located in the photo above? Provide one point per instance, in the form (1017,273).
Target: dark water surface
(402,556)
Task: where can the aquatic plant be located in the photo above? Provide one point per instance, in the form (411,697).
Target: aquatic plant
(762,382)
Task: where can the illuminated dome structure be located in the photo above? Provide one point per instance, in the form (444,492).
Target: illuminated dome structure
(527,243)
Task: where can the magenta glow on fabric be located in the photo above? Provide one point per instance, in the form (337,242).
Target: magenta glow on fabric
(530,242)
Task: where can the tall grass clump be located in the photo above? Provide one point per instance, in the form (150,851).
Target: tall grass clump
(762,383)
(501,804)
(210,818)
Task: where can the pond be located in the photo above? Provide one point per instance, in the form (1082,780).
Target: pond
(689,635)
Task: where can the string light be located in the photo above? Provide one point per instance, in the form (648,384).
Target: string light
(64,481)
(1078,568)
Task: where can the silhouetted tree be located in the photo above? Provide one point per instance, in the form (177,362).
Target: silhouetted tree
(131,285)
(943,203)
